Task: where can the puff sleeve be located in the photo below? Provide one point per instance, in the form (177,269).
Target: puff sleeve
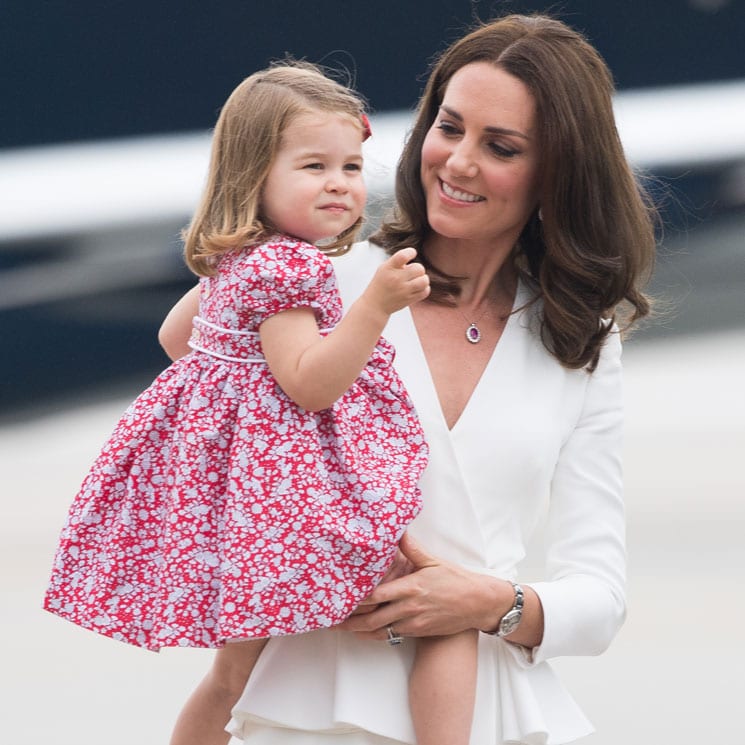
(284,275)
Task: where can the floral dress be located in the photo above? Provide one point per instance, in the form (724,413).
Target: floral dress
(219,509)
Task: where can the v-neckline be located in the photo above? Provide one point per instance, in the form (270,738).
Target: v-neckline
(497,352)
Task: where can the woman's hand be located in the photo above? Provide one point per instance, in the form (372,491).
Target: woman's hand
(434,598)
(400,567)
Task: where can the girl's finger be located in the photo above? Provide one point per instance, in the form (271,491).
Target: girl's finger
(402,257)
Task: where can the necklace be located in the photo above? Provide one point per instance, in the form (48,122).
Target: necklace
(473,333)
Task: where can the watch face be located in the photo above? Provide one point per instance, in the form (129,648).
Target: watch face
(510,622)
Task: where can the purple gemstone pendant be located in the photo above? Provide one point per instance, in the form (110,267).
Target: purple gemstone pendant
(473,334)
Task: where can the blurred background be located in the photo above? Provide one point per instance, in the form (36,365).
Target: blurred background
(104,139)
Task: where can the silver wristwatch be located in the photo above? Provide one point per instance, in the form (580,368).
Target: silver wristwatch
(511,620)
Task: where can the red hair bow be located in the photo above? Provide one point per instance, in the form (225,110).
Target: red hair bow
(366,131)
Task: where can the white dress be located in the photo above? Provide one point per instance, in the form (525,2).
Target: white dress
(533,437)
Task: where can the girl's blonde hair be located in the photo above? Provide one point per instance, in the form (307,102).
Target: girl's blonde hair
(245,142)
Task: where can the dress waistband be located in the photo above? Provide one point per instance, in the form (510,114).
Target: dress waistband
(230,345)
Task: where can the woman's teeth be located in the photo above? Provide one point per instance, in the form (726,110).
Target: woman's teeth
(462,196)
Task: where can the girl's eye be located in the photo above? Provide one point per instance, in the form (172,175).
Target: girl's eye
(315,166)
(353,167)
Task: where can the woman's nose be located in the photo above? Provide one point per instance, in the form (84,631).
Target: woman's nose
(461,160)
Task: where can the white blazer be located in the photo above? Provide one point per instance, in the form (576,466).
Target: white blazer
(534,438)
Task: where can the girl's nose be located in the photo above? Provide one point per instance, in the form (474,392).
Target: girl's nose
(336,182)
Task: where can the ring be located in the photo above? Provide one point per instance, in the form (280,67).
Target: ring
(393,637)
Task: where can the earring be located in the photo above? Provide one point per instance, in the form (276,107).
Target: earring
(540,214)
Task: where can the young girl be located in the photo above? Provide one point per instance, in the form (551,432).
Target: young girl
(261,484)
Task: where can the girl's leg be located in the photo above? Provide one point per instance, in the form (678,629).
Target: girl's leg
(442,688)
(206,712)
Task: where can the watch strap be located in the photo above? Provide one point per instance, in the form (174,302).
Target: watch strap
(511,620)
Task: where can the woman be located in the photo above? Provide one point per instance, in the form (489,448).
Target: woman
(514,188)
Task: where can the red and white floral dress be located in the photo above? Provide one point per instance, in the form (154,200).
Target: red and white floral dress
(219,509)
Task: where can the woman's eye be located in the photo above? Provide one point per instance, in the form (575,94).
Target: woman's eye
(502,151)
(447,129)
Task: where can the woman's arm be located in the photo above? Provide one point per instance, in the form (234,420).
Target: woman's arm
(579,608)
(175,330)
(314,370)
(439,598)
(584,597)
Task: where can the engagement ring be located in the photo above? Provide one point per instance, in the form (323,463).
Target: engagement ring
(393,637)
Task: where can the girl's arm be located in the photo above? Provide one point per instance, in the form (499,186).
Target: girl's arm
(314,370)
(175,330)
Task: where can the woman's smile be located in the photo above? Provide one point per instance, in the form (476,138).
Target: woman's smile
(458,194)
(481,152)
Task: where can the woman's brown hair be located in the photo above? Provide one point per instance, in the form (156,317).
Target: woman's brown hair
(245,142)
(594,247)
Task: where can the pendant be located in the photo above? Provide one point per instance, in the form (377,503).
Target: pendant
(473,334)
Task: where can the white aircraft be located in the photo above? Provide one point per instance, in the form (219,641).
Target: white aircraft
(110,212)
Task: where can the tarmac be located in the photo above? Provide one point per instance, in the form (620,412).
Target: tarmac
(673,675)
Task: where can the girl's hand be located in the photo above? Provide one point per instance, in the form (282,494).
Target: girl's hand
(397,283)
(437,598)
